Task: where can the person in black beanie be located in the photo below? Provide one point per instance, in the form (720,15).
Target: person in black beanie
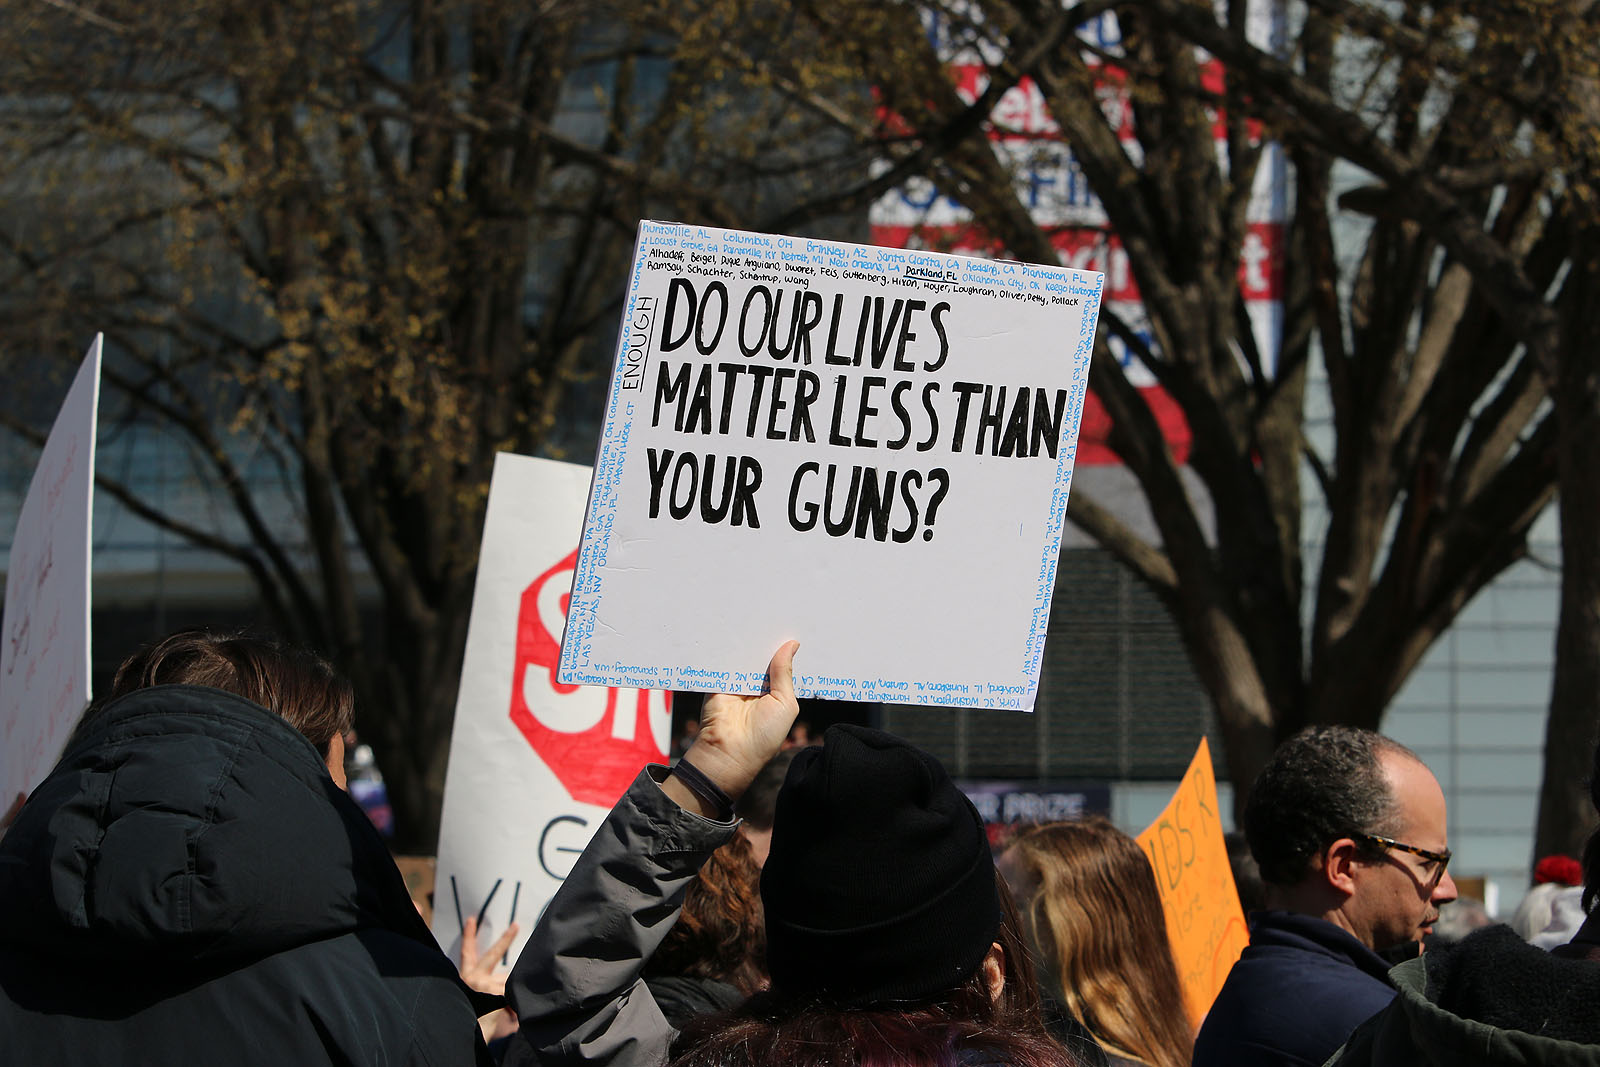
(880,886)
(890,937)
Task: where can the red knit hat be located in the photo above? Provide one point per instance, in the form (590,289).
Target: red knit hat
(1562,870)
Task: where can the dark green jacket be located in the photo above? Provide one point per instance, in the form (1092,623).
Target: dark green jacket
(188,886)
(1491,999)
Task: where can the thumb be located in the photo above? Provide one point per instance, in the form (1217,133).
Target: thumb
(780,672)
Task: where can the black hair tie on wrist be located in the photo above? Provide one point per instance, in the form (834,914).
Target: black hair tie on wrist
(696,782)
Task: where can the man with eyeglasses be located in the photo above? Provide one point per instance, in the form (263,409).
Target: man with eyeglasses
(1349,830)
(1493,1000)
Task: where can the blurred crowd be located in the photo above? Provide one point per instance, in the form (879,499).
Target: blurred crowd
(203,874)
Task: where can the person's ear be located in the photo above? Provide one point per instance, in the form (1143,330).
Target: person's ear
(1338,866)
(335,762)
(994,971)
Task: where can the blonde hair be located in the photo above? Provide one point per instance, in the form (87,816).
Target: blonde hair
(1099,931)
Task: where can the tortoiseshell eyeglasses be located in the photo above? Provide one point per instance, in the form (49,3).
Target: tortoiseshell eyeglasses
(1442,859)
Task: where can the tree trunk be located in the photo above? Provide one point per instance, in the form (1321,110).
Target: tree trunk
(1245,716)
(1247,744)
(1566,814)
(411,712)
(406,687)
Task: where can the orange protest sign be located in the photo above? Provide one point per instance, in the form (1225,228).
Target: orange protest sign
(1204,920)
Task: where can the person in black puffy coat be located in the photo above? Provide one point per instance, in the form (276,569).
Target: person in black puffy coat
(191,884)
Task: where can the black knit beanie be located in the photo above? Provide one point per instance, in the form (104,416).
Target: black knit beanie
(880,886)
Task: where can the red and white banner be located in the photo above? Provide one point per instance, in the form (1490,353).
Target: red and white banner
(1056,192)
(534,764)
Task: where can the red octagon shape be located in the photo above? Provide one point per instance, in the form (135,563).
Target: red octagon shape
(594,739)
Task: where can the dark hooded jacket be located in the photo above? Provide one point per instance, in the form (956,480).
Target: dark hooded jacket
(1491,999)
(190,886)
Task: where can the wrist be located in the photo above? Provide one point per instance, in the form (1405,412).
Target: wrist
(727,770)
(682,796)
(713,801)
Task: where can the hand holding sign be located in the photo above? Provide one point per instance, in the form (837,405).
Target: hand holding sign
(739,734)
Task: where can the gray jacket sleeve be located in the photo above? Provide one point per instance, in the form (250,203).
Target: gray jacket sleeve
(576,987)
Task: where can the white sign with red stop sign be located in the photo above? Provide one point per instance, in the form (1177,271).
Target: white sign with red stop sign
(534,764)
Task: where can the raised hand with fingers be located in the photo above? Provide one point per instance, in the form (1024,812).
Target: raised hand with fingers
(738,735)
(482,971)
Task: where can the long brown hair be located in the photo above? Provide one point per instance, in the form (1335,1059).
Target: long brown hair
(1094,916)
(719,934)
(299,685)
(770,1029)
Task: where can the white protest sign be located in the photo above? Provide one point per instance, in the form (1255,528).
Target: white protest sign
(866,449)
(44,657)
(534,765)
